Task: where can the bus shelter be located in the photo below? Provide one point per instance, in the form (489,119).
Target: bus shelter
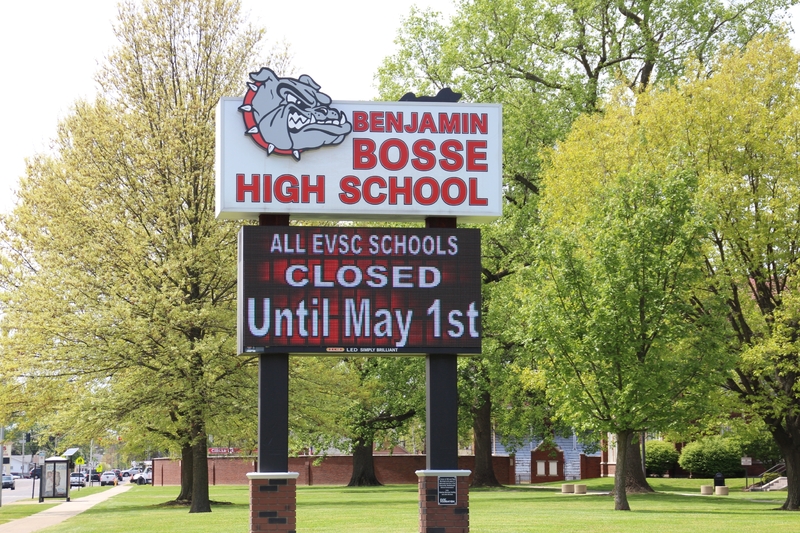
(55,476)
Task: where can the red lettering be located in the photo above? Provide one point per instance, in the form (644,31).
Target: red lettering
(350,194)
(412,128)
(367,190)
(449,124)
(396,190)
(402,160)
(478,123)
(452,161)
(473,156)
(286,189)
(364,154)
(462,191)
(360,122)
(376,121)
(252,187)
(308,189)
(473,193)
(267,188)
(427,124)
(425,160)
(394,122)
(418,190)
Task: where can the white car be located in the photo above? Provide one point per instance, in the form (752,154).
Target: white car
(77,479)
(108,478)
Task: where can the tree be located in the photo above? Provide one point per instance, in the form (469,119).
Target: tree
(735,131)
(610,305)
(118,279)
(391,391)
(548,61)
(739,129)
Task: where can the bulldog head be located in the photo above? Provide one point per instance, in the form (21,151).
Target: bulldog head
(288,116)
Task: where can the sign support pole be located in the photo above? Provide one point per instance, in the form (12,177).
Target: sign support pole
(273,489)
(443,488)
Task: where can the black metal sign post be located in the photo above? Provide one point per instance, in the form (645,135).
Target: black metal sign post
(441,441)
(273,489)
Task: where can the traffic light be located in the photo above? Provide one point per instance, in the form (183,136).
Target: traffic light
(28,436)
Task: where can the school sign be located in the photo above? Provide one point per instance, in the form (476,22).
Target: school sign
(288,148)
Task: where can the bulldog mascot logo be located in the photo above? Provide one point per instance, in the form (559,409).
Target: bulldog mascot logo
(288,116)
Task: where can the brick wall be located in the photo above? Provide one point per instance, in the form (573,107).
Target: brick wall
(334,470)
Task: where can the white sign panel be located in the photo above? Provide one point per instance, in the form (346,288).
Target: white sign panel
(286,148)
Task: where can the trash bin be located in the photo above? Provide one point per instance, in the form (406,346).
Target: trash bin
(719,480)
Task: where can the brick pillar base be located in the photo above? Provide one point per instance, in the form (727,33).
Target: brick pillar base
(438,513)
(273,501)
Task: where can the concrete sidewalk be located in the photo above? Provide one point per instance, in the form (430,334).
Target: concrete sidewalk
(59,513)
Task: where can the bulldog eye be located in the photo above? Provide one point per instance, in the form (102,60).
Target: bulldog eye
(292,99)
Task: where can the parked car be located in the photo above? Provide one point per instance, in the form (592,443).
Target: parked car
(94,476)
(108,478)
(9,482)
(35,472)
(77,479)
(127,475)
(16,475)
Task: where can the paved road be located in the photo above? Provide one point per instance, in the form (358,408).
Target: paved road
(22,492)
(59,513)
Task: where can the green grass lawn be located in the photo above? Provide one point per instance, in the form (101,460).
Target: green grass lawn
(9,512)
(677,507)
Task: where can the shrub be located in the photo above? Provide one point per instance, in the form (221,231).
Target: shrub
(706,457)
(660,456)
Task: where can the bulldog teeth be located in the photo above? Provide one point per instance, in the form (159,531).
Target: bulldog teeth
(298,121)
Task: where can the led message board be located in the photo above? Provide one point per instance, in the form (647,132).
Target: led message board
(380,291)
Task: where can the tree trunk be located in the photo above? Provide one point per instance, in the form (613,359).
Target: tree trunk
(623,448)
(635,480)
(483,476)
(792,459)
(363,465)
(201,503)
(187,472)
(788,440)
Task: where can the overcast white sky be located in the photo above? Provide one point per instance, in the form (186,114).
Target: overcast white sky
(50,50)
